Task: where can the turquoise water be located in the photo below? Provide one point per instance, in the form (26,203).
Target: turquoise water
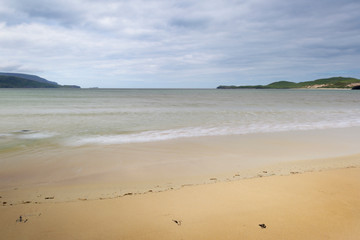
(77,117)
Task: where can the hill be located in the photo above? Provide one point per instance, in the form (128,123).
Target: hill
(28,77)
(17,82)
(334,82)
(20,80)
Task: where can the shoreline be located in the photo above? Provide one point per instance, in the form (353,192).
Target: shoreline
(132,169)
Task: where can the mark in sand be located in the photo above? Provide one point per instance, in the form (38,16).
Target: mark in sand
(178,222)
(262,225)
(47,198)
(21,219)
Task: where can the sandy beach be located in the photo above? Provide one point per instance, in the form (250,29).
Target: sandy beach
(316,205)
(300,185)
(94,172)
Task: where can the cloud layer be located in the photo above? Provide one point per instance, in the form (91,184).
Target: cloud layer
(142,43)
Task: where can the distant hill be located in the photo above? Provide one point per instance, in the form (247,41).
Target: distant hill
(29,77)
(334,82)
(17,82)
(21,80)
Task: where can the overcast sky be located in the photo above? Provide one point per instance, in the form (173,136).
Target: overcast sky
(170,43)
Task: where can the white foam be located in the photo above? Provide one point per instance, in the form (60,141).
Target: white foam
(162,135)
(5,135)
(36,135)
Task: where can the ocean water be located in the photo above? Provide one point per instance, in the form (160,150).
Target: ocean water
(34,118)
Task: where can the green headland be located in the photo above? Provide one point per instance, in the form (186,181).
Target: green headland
(20,80)
(334,82)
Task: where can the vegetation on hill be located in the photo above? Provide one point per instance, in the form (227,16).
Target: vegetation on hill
(28,77)
(16,82)
(334,82)
(20,80)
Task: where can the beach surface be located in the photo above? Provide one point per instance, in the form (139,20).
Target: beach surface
(179,164)
(289,185)
(102,172)
(313,205)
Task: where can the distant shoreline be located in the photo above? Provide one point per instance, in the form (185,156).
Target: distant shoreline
(326,83)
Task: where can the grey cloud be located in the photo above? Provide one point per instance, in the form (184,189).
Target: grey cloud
(49,12)
(189,23)
(9,67)
(14,67)
(257,40)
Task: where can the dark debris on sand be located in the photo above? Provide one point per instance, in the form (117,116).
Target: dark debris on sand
(262,225)
(178,222)
(21,219)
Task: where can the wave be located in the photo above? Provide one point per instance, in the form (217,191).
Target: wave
(27,134)
(162,135)
(37,135)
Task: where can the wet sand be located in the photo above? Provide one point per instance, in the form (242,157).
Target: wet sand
(94,172)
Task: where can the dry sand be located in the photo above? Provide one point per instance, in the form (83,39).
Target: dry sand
(316,205)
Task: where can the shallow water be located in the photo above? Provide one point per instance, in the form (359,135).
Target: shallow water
(86,140)
(74,117)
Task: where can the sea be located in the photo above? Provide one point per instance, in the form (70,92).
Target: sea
(35,118)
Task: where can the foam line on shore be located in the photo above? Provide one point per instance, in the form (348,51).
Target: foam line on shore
(163,135)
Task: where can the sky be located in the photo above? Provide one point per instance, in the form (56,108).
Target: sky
(180,44)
